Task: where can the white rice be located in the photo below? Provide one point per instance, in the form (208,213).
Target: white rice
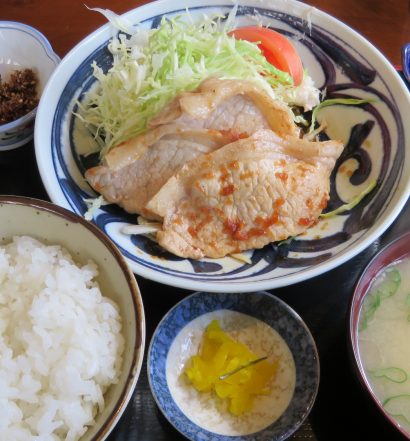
(60,343)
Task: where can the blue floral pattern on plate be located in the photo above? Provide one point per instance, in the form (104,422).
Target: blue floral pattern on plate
(339,69)
(263,306)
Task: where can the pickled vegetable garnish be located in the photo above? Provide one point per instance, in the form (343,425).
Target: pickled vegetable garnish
(219,354)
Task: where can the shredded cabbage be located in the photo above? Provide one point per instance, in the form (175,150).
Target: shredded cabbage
(335,101)
(150,67)
(93,204)
(241,257)
(355,201)
(141,229)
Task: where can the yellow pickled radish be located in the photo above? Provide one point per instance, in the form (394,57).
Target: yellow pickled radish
(220,355)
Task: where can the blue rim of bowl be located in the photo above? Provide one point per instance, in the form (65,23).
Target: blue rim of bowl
(4,24)
(406,61)
(187,427)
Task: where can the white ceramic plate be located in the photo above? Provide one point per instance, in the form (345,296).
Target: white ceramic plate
(376,140)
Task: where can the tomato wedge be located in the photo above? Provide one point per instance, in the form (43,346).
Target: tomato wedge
(276,48)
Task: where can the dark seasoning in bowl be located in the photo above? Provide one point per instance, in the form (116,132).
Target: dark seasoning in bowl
(18,95)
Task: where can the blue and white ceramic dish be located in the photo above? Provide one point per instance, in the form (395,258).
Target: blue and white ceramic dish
(406,61)
(342,63)
(22,47)
(197,415)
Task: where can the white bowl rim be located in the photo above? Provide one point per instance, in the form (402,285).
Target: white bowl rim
(49,51)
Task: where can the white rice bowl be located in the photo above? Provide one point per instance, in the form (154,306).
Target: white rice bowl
(60,343)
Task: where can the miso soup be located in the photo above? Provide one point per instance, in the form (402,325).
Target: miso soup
(384,340)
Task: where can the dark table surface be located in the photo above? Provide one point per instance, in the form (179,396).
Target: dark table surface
(342,411)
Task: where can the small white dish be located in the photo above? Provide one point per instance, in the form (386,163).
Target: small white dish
(23,47)
(268,326)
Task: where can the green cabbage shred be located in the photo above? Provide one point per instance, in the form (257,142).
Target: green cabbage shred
(333,102)
(355,201)
(150,67)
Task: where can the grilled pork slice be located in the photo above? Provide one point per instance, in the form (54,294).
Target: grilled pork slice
(239,106)
(244,195)
(219,112)
(135,170)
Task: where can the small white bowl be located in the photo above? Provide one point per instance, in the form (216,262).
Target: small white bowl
(199,418)
(23,47)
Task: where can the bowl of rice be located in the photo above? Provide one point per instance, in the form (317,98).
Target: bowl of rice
(72,325)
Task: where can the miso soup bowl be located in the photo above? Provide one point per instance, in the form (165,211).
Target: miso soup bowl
(393,252)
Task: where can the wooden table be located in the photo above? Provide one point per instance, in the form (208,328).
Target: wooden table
(342,411)
(385,23)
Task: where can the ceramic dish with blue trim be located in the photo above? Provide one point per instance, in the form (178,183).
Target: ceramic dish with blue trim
(268,327)
(341,62)
(23,47)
